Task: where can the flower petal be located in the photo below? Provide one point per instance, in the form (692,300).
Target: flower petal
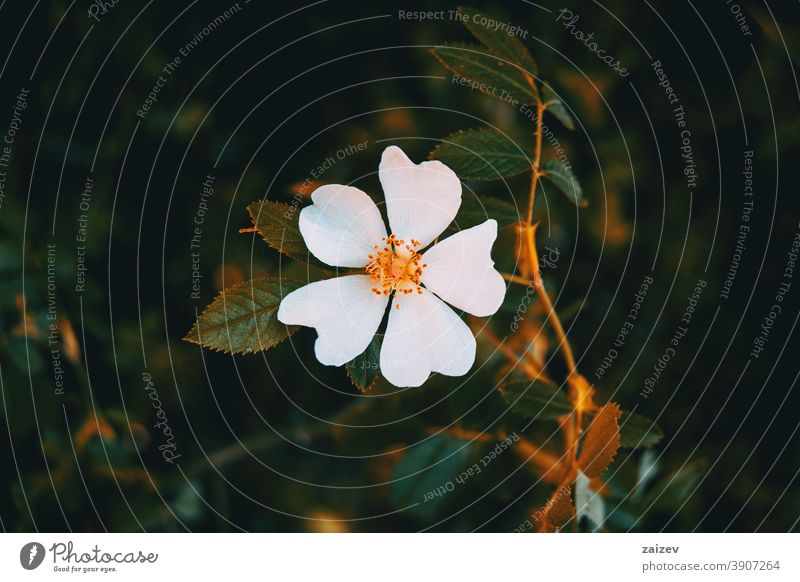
(460,270)
(342,226)
(343,310)
(421,199)
(424,336)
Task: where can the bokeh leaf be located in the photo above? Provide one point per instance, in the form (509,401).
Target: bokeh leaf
(504,45)
(487,73)
(188,502)
(647,470)
(536,399)
(425,475)
(549,465)
(561,175)
(243,318)
(674,489)
(481,154)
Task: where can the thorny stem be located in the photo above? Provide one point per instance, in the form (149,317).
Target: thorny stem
(533,257)
(572,425)
(541,292)
(537,158)
(572,433)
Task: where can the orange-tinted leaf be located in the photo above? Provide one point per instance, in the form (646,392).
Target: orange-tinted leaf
(601,441)
(560,509)
(128,476)
(597,484)
(548,465)
(69,341)
(326,521)
(466,434)
(227,275)
(91,427)
(581,393)
(27,327)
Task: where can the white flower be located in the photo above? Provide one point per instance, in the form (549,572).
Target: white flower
(343,228)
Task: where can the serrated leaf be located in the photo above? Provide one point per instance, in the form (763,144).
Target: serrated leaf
(488,74)
(601,442)
(554,105)
(427,472)
(278,225)
(637,431)
(243,318)
(564,180)
(549,465)
(504,45)
(536,399)
(364,368)
(475,210)
(558,511)
(481,154)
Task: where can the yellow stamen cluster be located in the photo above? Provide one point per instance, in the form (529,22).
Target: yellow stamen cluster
(395,267)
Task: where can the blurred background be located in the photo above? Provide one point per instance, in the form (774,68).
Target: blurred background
(116,116)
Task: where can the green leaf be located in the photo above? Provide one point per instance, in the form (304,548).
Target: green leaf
(475,210)
(363,370)
(243,318)
(426,475)
(10,259)
(674,489)
(504,45)
(188,502)
(25,354)
(555,106)
(278,225)
(536,399)
(648,469)
(624,516)
(562,177)
(487,73)
(637,431)
(481,154)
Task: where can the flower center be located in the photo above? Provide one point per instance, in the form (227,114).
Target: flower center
(395,267)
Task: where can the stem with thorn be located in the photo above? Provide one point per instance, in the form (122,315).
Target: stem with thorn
(572,425)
